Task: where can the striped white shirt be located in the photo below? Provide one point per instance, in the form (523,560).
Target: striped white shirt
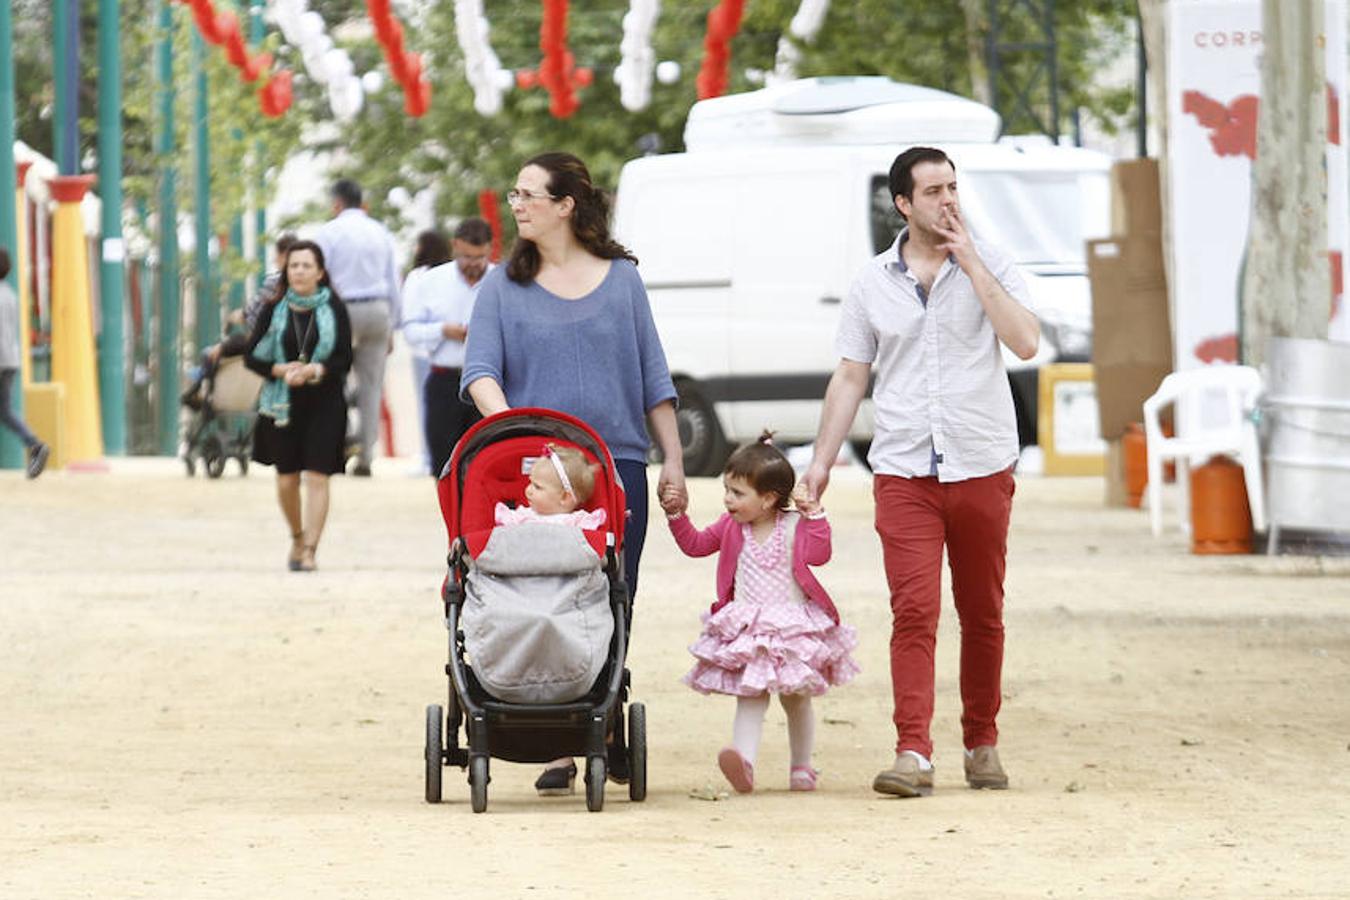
(941,392)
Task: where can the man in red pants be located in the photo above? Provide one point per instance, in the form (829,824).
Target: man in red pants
(929,313)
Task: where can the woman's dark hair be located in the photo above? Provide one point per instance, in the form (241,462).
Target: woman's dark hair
(764,467)
(283,283)
(568,177)
(4,265)
(432,250)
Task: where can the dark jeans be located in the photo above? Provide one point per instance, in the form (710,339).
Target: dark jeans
(447,416)
(633,474)
(7,417)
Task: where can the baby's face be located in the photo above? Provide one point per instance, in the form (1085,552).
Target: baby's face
(545,493)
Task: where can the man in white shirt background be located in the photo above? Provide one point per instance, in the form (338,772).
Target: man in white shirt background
(930,312)
(435,318)
(359,257)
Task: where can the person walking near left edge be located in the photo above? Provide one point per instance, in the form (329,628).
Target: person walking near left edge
(360,255)
(9,369)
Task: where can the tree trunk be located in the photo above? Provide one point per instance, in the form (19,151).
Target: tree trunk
(977,30)
(1153,16)
(1286,285)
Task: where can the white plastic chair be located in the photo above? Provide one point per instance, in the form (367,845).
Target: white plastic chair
(1212,416)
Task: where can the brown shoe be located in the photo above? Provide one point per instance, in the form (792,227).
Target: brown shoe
(905,778)
(983,769)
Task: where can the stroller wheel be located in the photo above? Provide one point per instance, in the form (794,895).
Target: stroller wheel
(213,455)
(243,464)
(595,783)
(637,752)
(435,755)
(478,782)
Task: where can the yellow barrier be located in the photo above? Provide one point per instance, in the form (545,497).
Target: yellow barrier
(72,324)
(44,407)
(1067,422)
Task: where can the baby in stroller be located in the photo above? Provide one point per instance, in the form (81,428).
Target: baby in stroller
(536,605)
(560,481)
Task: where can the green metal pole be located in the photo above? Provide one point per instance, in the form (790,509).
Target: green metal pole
(257,33)
(170,311)
(66,65)
(111,351)
(237,246)
(208,304)
(11,448)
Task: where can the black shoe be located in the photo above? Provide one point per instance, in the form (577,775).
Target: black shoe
(37,460)
(361,471)
(616,766)
(556,782)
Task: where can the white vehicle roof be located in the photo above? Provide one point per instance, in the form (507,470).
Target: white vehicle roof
(839,110)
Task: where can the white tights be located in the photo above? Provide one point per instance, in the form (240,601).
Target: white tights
(748,725)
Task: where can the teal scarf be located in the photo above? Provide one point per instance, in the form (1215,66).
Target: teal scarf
(275,400)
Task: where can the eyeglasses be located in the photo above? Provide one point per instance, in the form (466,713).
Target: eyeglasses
(515,197)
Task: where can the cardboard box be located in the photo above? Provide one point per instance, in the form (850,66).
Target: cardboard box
(1136,197)
(1131,329)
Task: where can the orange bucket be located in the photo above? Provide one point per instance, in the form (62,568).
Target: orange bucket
(1221,520)
(1134,449)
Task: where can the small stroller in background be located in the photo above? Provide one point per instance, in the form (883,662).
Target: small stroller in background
(224,414)
(536,603)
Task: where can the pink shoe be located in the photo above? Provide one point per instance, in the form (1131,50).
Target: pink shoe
(802,778)
(737,769)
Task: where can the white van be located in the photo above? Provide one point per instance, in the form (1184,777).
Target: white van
(748,241)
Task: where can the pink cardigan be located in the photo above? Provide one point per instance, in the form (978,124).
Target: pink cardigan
(810,547)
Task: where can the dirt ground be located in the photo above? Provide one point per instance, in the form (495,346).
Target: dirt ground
(179,717)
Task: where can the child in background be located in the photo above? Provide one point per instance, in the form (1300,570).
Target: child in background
(773,629)
(560,481)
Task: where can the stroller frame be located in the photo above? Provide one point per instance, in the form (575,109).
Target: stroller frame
(533,732)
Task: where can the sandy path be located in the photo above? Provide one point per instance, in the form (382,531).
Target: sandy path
(181,718)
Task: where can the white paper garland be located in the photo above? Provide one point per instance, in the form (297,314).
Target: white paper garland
(481,66)
(327,64)
(805,26)
(637,61)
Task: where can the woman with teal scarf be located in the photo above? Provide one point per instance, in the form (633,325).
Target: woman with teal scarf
(302,345)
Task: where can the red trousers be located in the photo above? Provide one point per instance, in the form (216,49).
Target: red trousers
(914,518)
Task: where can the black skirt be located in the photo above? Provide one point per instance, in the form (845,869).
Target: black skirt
(314,440)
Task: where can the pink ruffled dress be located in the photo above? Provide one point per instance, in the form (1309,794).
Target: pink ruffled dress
(770,638)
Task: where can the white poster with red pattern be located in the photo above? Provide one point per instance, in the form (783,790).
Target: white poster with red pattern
(1214,88)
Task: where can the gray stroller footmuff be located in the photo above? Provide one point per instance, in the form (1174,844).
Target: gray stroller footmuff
(537,620)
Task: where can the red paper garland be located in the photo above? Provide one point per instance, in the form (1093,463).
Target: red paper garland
(222,30)
(557,68)
(489,209)
(406,67)
(723,22)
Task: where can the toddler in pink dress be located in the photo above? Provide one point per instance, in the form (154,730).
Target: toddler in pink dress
(773,629)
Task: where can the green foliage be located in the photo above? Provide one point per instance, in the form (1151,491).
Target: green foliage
(459,152)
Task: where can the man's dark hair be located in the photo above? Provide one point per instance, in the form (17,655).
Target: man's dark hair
(4,263)
(348,193)
(285,241)
(475,231)
(902,170)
